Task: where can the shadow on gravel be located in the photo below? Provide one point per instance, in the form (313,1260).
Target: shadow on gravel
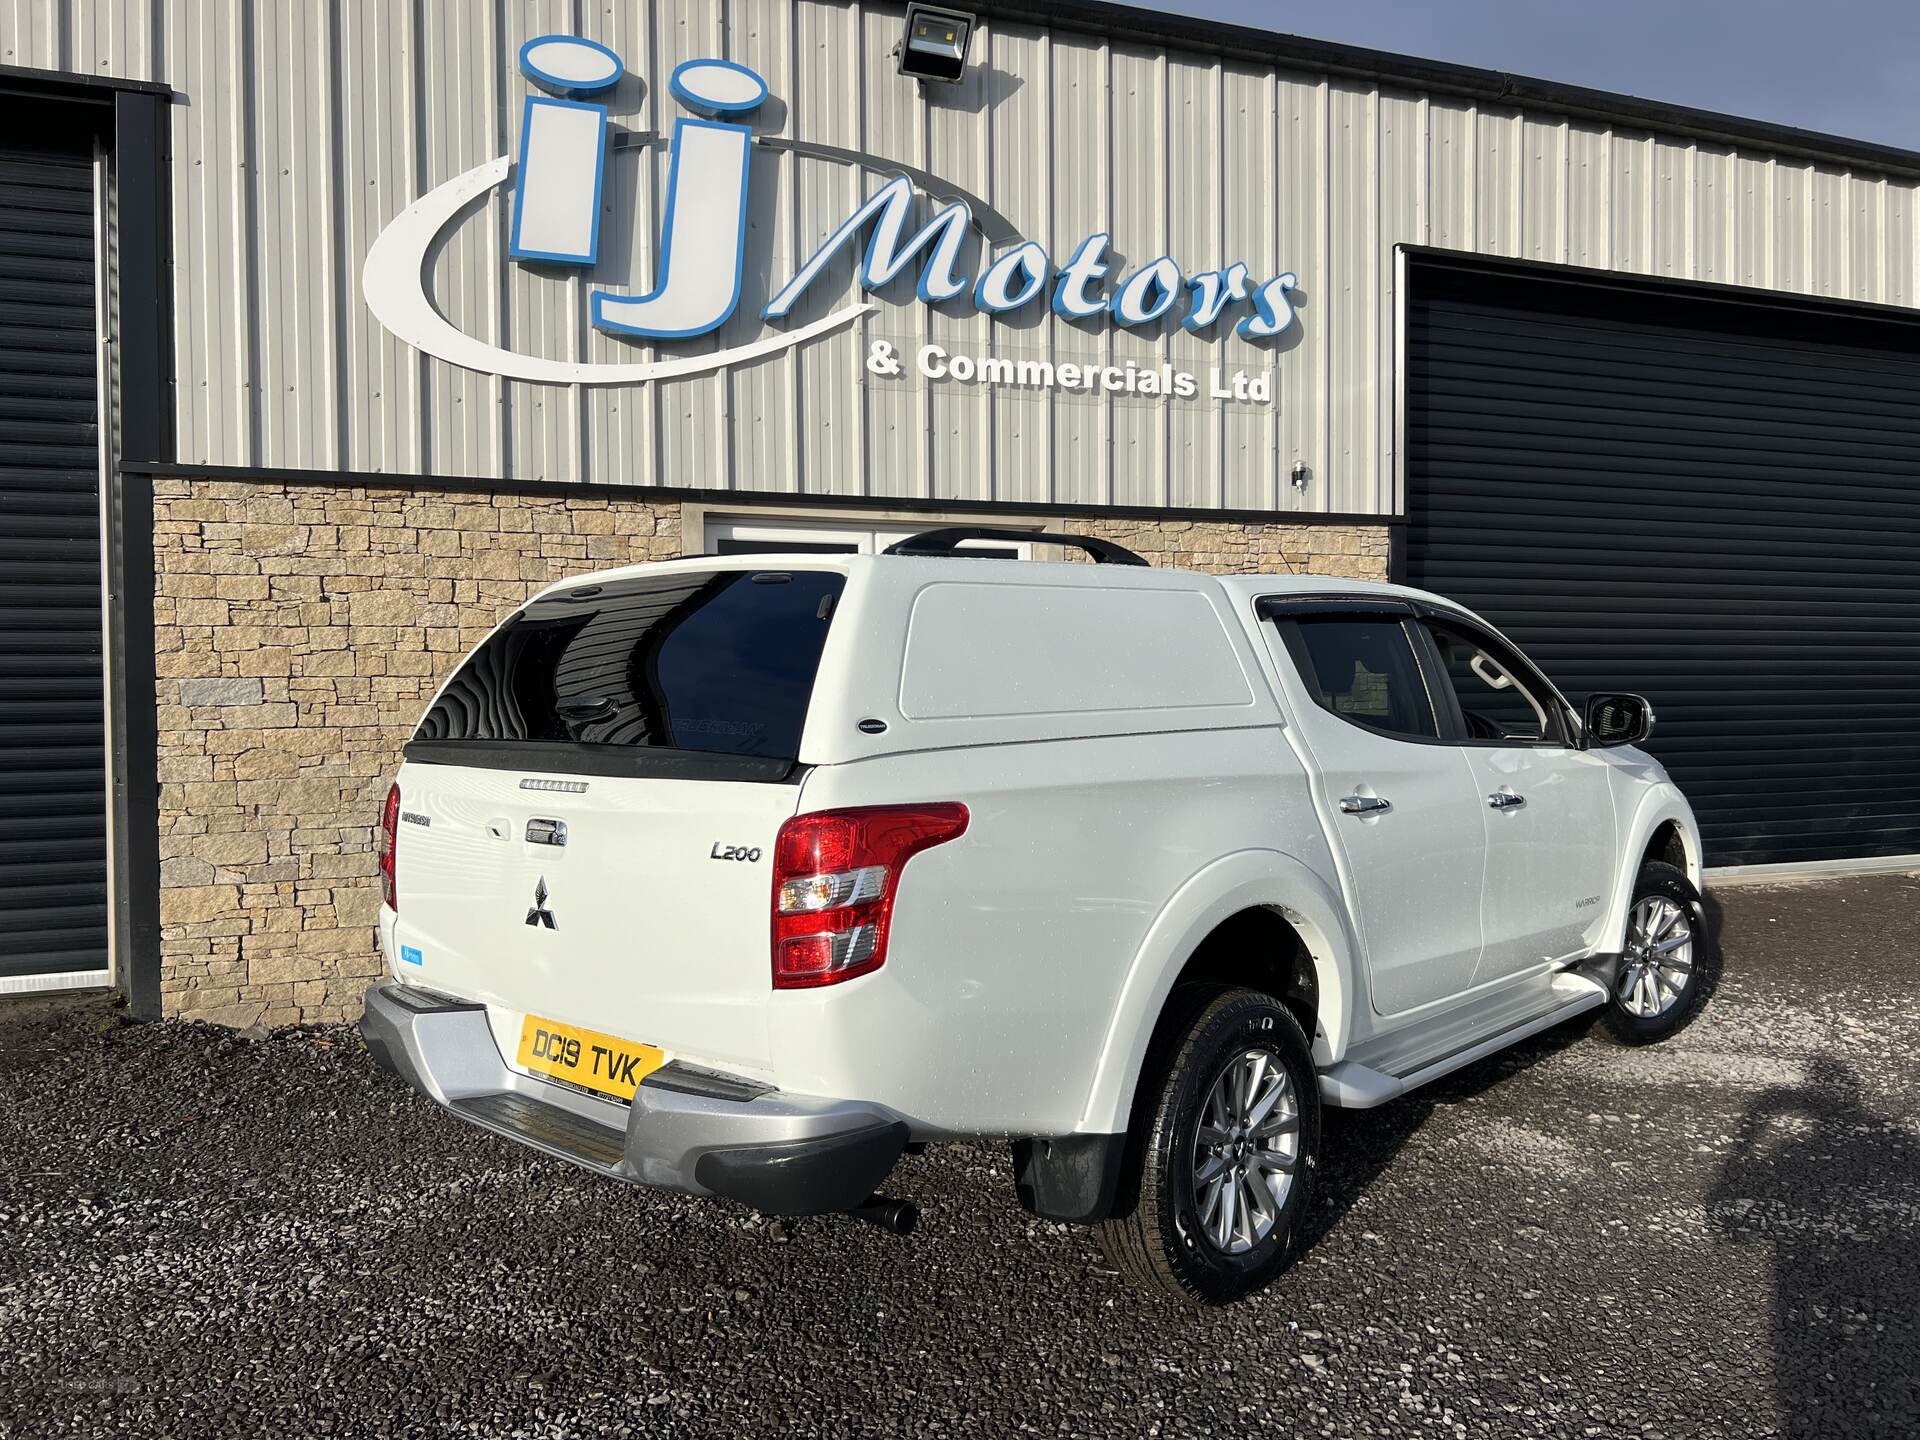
(1709,975)
(1812,1174)
(1357,1146)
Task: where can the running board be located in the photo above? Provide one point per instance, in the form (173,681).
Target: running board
(1353,1086)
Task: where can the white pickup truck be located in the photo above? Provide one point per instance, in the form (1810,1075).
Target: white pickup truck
(741,875)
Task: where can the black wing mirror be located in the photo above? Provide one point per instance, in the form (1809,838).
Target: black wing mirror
(1616,720)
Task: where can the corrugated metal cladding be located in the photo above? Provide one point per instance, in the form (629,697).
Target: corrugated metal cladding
(1712,504)
(301,129)
(53,795)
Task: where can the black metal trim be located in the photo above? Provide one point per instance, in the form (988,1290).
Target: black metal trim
(948,539)
(144,346)
(134,726)
(73,85)
(1245,43)
(745,499)
(142,231)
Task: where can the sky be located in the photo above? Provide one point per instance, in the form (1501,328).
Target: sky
(1846,67)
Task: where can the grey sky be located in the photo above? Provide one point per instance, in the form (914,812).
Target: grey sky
(1848,67)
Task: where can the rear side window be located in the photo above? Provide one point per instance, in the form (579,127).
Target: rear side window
(716,663)
(1363,669)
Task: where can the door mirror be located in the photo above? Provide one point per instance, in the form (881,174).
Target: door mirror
(1616,720)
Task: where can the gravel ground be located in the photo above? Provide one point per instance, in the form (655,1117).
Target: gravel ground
(1717,1236)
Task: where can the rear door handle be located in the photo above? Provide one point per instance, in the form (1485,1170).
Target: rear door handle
(1506,800)
(1364,805)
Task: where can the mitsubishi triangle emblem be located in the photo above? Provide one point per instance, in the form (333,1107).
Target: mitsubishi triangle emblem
(540,914)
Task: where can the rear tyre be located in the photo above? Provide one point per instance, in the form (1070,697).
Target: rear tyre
(1669,960)
(1222,1150)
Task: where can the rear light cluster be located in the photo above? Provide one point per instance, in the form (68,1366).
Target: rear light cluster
(835,873)
(389,847)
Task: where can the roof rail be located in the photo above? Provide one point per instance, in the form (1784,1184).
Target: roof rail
(946,541)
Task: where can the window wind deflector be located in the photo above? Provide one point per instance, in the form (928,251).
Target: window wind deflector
(1292,607)
(947,540)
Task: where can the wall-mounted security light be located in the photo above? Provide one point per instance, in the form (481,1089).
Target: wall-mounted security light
(935,45)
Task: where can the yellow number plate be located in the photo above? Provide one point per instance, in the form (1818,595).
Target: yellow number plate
(585,1057)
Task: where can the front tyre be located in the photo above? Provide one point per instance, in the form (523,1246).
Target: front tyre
(1225,1139)
(1668,962)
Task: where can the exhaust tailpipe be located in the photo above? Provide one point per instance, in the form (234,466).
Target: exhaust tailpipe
(896,1217)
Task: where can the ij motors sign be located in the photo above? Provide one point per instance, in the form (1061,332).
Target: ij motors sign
(963,257)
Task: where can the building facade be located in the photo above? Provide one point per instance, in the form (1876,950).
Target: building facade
(331,330)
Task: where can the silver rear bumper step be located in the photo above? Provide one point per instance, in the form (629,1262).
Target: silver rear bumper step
(781,1153)
(546,1126)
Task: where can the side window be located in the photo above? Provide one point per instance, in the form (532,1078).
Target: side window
(1362,668)
(1501,698)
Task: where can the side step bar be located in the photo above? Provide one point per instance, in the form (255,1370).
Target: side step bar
(1353,1086)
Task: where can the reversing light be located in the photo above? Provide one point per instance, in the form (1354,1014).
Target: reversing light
(835,875)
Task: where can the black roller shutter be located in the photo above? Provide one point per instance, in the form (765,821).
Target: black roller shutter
(53,829)
(1701,494)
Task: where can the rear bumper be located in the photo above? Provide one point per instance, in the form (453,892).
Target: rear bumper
(782,1154)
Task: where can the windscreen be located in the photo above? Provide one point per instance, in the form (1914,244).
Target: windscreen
(721,663)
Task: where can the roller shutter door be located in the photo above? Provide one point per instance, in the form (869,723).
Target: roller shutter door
(53,827)
(1700,494)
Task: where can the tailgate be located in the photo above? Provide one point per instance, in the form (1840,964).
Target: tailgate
(588,808)
(634,907)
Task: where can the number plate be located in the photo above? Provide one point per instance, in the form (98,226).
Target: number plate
(585,1057)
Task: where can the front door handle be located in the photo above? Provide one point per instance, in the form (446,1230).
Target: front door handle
(1364,805)
(1506,800)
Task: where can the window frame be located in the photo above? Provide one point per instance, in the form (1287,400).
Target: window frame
(1415,615)
(1284,613)
(1510,659)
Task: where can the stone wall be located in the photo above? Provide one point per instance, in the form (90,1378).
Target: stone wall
(299,631)
(1353,552)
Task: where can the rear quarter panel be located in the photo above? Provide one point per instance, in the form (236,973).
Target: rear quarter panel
(1012,947)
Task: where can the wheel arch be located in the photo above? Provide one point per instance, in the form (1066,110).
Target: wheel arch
(1662,822)
(1668,843)
(1261,898)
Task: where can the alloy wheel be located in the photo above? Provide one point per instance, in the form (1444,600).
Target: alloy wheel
(1245,1152)
(1657,965)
